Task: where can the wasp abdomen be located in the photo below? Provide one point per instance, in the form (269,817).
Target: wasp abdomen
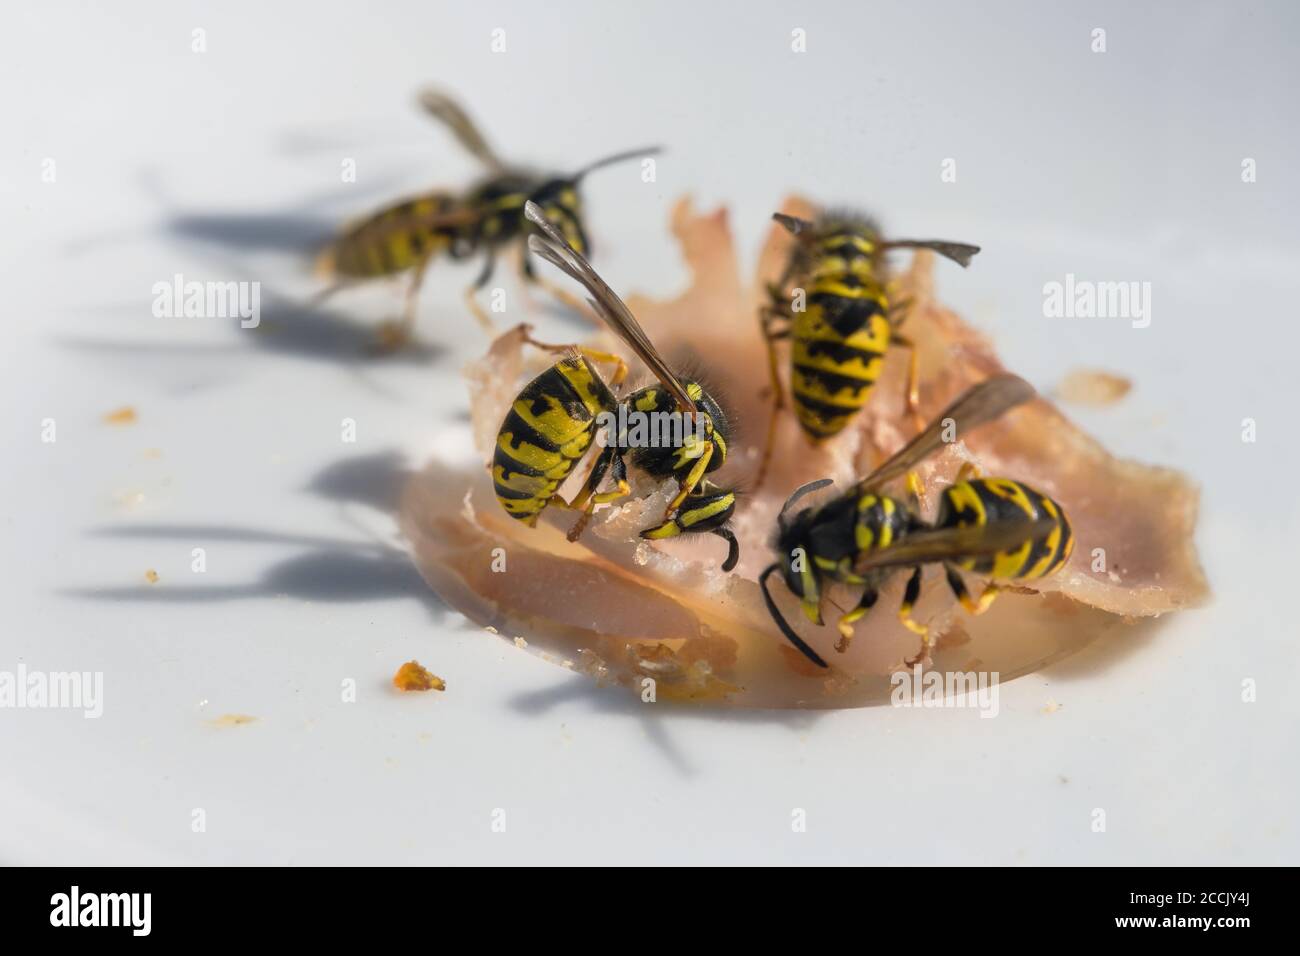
(983,501)
(394,239)
(546,432)
(839,341)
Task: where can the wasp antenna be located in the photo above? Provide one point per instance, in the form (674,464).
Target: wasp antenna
(799,493)
(786,629)
(616,158)
(959,252)
(793,223)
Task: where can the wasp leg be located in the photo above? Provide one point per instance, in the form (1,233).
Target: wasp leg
(899,311)
(733,547)
(915,489)
(563,296)
(587,499)
(393,335)
(972,605)
(769,315)
(620,366)
(968,469)
(521,266)
(708,509)
(865,603)
(471,294)
(692,479)
(910,594)
(912,390)
(557,501)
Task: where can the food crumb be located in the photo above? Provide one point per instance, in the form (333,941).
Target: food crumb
(151,576)
(232,720)
(121,416)
(1051,706)
(520,643)
(412,676)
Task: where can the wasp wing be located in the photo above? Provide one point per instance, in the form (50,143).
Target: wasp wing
(989,400)
(552,247)
(952,544)
(445,109)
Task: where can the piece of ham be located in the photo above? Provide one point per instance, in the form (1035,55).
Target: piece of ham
(661,617)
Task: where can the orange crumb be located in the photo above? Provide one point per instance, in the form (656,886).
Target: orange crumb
(151,576)
(121,416)
(411,676)
(231,720)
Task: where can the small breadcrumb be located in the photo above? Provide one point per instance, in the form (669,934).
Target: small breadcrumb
(412,676)
(121,416)
(232,720)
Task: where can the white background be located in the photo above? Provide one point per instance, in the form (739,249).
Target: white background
(1123,165)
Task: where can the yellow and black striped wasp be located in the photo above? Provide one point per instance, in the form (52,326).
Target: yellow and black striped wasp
(486,219)
(996,527)
(832,302)
(557,417)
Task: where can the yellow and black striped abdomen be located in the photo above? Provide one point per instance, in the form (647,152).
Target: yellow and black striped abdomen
(985,501)
(838,349)
(546,432)
(394,239)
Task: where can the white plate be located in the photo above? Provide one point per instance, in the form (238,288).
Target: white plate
(1123,165)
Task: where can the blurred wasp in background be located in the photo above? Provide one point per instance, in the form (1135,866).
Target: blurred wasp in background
(555,419)
(408,235)
(832,302)
(991,526)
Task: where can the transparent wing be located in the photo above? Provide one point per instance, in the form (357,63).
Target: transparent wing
(443,108)
(949,544)
(552,247)
(979,404)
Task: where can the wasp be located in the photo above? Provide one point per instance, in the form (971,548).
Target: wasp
(554,421)
(832,303)
(995,527)
(407,236)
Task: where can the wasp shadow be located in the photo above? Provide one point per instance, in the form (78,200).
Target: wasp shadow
(342,568)
(274,249)
(656,719)
(289,327)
